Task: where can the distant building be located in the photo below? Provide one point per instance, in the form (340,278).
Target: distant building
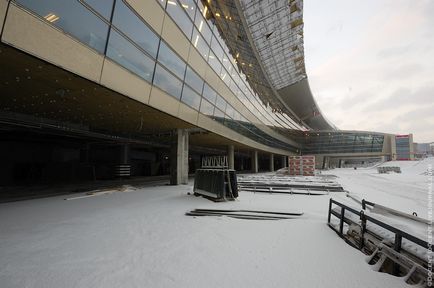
(421,150)
(404,147)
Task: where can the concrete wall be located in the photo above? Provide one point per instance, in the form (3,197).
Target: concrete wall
(35,37)
(3,8)
(393,148)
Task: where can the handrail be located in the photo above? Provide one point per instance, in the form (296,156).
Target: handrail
(399,234)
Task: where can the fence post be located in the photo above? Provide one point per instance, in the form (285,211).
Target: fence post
(330,209)
(341,224)
(397,248)
(363,228)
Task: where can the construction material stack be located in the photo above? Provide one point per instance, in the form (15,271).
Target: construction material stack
(295,165)
(215,181)
(302,165)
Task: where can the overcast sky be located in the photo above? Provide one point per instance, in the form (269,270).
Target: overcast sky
(370,64)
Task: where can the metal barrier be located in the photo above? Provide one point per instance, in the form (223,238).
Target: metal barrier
(122,170)
(216,183)
(387,169)
(399,235)
(215,180)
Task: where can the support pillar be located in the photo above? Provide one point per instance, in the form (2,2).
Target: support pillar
(124,155)
(255,161)
(271,162)
(284,159)
(179,158)
(231,157)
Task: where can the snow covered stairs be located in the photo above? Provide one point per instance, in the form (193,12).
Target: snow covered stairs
(245,214)
(386,259)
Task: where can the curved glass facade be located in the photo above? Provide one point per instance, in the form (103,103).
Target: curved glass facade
(341,142)
(116,30)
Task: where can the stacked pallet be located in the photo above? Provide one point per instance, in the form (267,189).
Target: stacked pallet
(302,165)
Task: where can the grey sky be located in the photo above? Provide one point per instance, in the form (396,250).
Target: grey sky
(370,64)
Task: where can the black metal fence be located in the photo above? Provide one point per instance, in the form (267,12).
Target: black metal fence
(364,219)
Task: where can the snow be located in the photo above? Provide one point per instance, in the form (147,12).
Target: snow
(406,191)
(141,238)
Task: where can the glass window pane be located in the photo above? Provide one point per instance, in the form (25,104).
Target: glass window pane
(230,111)
(225,77)
(167,82)
(178,15)
(169,59)
(162,3)
(201,24)
(220,103)
(189,7)
(190,97)
(214,63)
(102,7)
(219,114)
(192,79)
(128,22)
(91,30)
(126,54)
(206,108)
(218,51)
(209,93)
(200,44)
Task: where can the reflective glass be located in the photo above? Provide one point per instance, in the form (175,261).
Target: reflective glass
(214,63)
(128,22)
(219,114)
(230,111)
(189,7)
(127,55)
(167,82)
(102,7)
(162,3)
(217,49)
(220,103)
(200,44)
(192,79)
(169,59)
(209,93)
(201,24)
(180,17)
(190,97)
(91,30)
(206,108)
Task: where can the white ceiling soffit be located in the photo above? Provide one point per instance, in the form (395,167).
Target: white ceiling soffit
(276,27)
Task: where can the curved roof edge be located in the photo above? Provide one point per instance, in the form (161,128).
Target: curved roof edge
(300,99)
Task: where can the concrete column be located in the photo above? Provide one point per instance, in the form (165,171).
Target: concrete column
(393,148)
(231,157)
(179,158)
(284,159)
(411,148)
(124,155)
(255,161)
(271,162)
(325,162)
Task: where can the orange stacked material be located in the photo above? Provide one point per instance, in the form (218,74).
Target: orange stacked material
(302,165)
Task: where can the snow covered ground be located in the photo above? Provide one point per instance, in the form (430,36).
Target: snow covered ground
(141,238)
(406,192)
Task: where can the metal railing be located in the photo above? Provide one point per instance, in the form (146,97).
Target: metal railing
(399,234)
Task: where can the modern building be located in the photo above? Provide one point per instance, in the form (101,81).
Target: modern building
(154,85)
